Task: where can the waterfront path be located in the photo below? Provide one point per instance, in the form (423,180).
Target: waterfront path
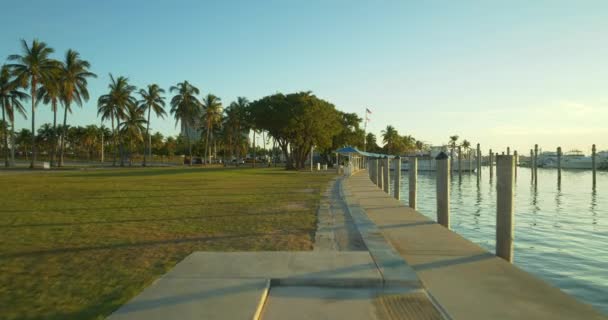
(466,280)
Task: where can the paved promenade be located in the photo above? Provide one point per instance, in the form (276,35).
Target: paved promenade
(466,280)
(373,259)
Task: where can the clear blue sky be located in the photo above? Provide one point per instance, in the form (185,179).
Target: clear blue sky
(512,73)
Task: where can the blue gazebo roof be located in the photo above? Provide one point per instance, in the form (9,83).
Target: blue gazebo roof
(352,150)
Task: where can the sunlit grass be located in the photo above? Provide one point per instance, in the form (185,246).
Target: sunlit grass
(78,244)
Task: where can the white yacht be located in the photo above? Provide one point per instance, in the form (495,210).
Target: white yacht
(427,162)
(572,160)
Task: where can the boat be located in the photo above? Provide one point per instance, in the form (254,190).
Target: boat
(427,162)
(574,159)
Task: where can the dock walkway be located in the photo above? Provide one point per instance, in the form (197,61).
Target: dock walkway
(465,279)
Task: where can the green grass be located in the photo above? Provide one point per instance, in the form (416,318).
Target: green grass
(78,244)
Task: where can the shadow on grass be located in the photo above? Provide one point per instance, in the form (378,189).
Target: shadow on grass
(65,224)
(142,244)
(168,206)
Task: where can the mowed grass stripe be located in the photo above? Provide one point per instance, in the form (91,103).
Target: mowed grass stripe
(78,244)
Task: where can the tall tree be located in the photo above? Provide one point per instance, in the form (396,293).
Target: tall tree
(10,101)
(132,128)
(32,66)
(390,137)
(466,145)
(74,74)
(371,142)
(212,116)
(452,143)
(50,93)
(236,126)
(151,100)
(186,108)
(114,105)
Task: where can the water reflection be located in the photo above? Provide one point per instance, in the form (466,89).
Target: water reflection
(560,228)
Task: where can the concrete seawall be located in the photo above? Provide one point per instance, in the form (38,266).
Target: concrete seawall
(467,281)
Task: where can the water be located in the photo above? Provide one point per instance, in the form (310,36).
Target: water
(561,231)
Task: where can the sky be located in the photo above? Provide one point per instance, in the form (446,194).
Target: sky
(511,73)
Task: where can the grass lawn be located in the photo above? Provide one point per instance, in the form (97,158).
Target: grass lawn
(78,244)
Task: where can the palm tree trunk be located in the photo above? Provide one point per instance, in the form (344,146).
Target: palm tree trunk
(33,95)
(189,146)
(207,141)
(149,140)
(65,130)
(102,145)
(114,142)
(13,142)
(253,148)
(5,135)
(54,143)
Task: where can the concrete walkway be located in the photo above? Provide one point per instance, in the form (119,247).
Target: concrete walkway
(353,273)
(335,228)
(465,280)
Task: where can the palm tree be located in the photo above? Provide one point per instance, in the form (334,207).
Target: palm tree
(236,123)
(132,127)
(390,137)
(50,93)
(152,100)
(452,144)
(10,101)
(33,66)
(185,108)
(74,74)
(212,115)
(465,146)
(114,104)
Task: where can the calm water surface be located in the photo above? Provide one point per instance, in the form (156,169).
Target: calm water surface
(561,231)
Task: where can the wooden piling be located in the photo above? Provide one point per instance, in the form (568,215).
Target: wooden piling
(508,151)
(535,163)
(387,177)
(516,161)
(505,175)
(478,163)
(559,165)
(491,160)
(459,161)
(397,186)
(413,177)
(593,162)
(532,165)
(443,189)
(379,172)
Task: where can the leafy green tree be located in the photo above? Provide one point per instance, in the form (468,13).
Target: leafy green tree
(10,102)
(236,126)
(169,147)
(114,105)
(350,134)
(24,140)
(31,67)
(212,116)
(185,108)
(152,100)
(297,121)
(74,74)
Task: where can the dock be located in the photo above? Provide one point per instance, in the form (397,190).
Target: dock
(398,265)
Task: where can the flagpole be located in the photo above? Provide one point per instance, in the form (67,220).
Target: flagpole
(365,131)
